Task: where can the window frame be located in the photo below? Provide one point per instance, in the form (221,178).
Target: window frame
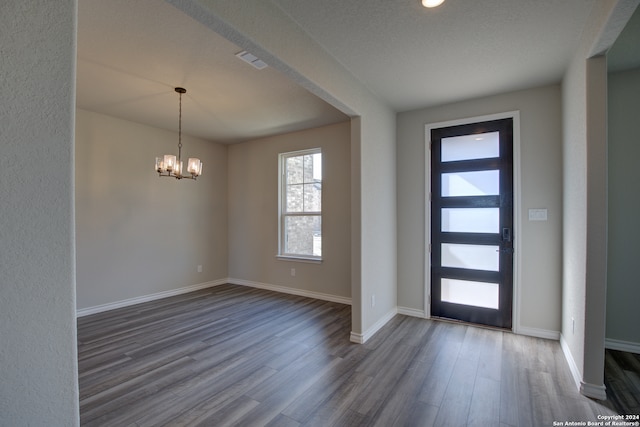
(282,206)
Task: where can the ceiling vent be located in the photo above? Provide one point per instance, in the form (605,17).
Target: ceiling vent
(250,58)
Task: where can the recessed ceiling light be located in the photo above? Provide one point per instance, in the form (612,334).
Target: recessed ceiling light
(432,3)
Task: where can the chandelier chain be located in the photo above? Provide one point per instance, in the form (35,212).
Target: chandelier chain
(180,128)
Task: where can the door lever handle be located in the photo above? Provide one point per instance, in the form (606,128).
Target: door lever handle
(506,250)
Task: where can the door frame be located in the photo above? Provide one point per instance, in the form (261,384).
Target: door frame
(517,207)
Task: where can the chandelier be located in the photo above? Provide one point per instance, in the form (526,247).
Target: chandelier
(171,166)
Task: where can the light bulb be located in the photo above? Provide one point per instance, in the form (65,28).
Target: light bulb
(169,162)
(193,166)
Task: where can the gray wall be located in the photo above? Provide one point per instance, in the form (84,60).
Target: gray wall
(38,361)
(623,281)
(253,212)
(584,180)
(288,48)
(138,234)
(541,243)
(131,244)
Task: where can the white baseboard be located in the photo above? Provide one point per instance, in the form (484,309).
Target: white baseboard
(538,333)
(413,312)
(573,367)
(292,291)
(631,347)
(590,390)
(593,391)
(362,338)
(146,298)
(356,338)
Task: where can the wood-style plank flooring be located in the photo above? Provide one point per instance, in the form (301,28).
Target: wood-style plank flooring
(622,379)
(238,356)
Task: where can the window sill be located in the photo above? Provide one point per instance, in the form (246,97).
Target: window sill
(299,259)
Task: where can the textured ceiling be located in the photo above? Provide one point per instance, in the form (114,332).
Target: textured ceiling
(131,55)
(415,57)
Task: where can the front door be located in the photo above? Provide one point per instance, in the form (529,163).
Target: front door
(472,222)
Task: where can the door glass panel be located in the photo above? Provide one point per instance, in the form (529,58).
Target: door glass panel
(477,183)
(470,220)
(469,147)
(473,257)
(477,294)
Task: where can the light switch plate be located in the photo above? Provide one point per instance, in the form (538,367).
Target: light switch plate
(537,214)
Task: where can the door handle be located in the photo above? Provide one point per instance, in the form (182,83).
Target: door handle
(506,234)
(506,250)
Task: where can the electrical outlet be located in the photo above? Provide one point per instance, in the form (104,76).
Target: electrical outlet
(199,269)
(293,272)
(373,300)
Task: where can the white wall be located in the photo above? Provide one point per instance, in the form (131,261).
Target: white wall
(265,30)
(138,234)
(623,283)
(38,360)
(253,213)
(540,170)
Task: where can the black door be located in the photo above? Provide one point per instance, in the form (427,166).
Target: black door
(472,222)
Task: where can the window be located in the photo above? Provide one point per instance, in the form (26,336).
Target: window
(301,204)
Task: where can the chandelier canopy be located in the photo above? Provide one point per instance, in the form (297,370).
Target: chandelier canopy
(171,166)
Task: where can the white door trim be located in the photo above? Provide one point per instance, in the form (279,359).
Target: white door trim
(517,208)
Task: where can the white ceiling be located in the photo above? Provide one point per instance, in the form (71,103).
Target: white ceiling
(131,54)
(415,57)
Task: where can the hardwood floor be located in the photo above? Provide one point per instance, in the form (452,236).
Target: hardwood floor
(233,355)
(622,379)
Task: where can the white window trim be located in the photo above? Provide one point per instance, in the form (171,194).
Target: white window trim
(281,208)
